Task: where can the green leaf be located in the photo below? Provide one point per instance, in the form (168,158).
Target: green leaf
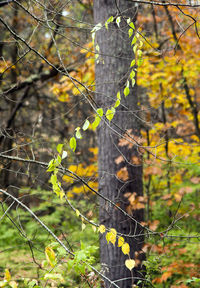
(130,32)
(135,48)
(100,112)
(80,256)
(117,103)
(132,25)
(118,20)
(86,125)
(132,63)
(109,21)
(51,166)
(126,91)
(97,48)
(110,113)
(59,148)
(58,160)
(53,179)
(97,119)
(96,122)
(72,143)
(140,62)
(133,82)
(132,74)
(133,41)
(118,95)
(139,53)
(78,133)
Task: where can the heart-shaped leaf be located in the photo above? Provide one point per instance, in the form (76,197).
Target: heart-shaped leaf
(130,264)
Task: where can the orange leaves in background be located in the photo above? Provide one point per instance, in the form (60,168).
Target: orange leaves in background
(130,139)
(135,202)
(179,267)
(122,174)
(195,180)
(153,170)
(136,160)
(177,195)
(119,160)
(153,225)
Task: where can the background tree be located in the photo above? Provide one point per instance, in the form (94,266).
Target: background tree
(120,168)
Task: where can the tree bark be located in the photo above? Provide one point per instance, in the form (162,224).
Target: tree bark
(111,73)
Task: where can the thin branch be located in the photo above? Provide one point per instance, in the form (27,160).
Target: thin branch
(3,3)
(165,4)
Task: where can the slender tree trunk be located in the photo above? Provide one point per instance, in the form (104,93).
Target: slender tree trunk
(116,55)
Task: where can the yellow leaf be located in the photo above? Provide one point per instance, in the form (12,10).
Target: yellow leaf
(126,248)
(110,237)
(102,229)
(7,275)
(130,264)
(112,230)
(50,255)
(120,241)
(62,194)
(77,213)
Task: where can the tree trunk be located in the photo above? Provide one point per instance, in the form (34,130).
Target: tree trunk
(115,57)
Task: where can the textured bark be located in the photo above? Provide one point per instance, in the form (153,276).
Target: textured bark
(111,75)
